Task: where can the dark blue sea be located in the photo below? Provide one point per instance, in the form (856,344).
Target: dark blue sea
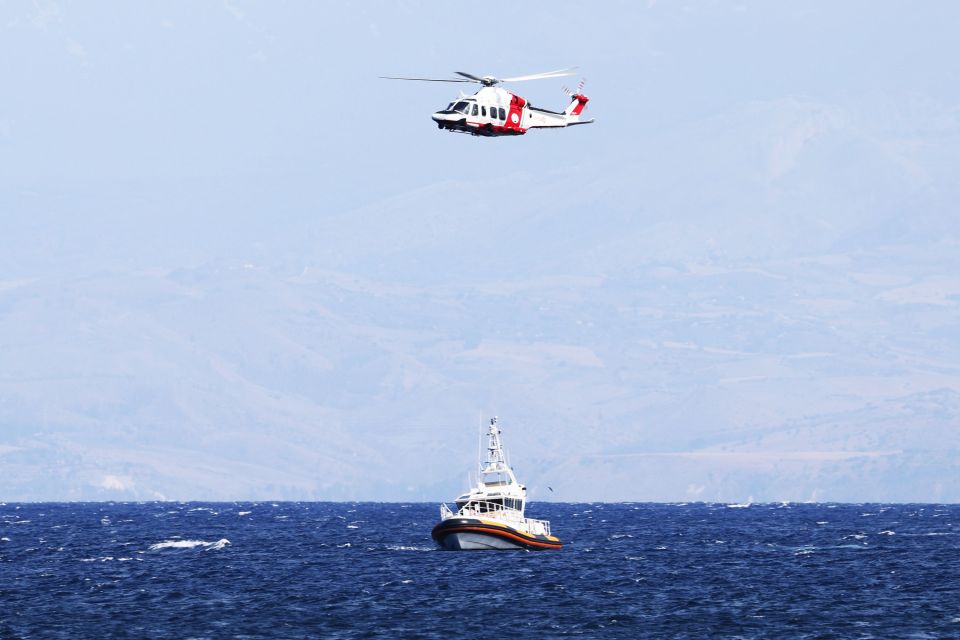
(366,570)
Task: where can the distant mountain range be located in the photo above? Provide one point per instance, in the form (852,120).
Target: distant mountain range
(760,306)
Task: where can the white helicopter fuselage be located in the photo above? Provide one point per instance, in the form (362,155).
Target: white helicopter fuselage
(493,111)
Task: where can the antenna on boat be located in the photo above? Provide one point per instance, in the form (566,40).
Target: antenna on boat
(480,446)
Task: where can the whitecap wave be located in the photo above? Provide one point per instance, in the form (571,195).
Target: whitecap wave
(855,536)
(400,547)
(190,544)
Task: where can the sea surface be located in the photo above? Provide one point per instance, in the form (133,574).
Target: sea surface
(369,570)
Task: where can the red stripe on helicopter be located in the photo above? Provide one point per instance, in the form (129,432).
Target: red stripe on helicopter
(582,101)
(515,113)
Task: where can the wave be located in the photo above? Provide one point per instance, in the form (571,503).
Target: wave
(400,547)
(190,544)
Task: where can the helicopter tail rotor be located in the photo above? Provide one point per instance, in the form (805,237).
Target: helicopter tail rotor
(577,100)
(579,91)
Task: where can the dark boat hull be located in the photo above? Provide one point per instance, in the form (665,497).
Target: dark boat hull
(469,534)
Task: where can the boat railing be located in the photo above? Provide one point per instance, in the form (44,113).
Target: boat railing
(483,509)
(538,526)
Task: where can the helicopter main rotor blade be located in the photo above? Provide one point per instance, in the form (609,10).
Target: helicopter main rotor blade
(472,77)
(424,79)
(559,73)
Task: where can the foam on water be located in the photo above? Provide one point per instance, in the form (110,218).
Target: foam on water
(189,544)
(400,547)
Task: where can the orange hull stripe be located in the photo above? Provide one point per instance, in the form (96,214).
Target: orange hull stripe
(507,534)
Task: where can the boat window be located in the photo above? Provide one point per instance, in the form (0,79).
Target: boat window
(461,107)
(475,109)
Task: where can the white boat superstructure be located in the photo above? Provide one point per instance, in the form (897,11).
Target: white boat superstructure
(491,514)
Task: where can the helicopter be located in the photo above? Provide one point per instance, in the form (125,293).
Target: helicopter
(493,111)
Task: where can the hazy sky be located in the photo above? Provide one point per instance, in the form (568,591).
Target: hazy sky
(170,173)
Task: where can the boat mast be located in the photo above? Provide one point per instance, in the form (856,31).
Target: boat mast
(496,463)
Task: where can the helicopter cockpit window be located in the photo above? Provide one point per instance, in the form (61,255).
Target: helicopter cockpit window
(461,107)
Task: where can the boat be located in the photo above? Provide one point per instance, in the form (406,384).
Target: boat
(491,514)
